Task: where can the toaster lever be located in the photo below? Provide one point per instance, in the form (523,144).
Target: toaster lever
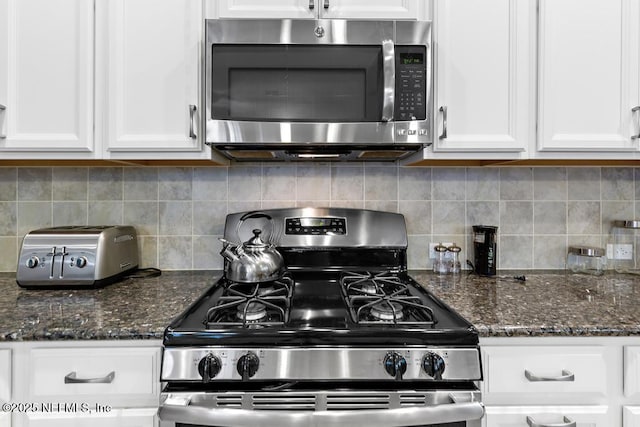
(53,258)
(63,254)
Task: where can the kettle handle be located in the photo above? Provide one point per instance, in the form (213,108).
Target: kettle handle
(254,215)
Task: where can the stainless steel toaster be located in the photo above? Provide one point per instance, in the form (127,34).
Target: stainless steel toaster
(77,256)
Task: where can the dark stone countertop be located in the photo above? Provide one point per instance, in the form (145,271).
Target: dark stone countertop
(546,304)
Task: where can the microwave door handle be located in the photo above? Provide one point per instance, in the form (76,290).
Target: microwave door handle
(389,79)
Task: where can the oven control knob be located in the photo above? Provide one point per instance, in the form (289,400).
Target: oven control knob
(209,367)
(248,365)
(395,365)
(433,365)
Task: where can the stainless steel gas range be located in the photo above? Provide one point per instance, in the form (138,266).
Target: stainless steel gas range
(343,337)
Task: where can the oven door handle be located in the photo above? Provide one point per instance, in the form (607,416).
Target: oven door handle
(389,80)
(227,417)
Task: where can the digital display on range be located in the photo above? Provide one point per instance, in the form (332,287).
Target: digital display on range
(411,58)
(316,226)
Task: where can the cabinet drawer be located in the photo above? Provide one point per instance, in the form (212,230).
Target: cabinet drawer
(547,374)
(516,416)
(5,375)
(107,375)
(145,417)
(632,371)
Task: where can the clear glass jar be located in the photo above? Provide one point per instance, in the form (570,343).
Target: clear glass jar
(441,263)
(454,262)
(623,253)
(586,260)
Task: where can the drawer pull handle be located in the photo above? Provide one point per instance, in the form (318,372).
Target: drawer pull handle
(71,378)
(566,376)
(568,422)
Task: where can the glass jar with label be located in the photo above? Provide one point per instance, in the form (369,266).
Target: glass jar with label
(623,251)
(586,260)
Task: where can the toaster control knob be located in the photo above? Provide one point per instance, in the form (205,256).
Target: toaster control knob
(395,365)
(248,365)
(209,367)
(33,262)
(81,262)
(433,365)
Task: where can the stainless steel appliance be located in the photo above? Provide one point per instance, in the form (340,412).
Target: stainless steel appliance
(318,89)
(71,256)
(345,338)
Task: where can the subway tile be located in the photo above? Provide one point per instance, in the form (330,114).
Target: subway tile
(105,184)
(175,183)
(34,184)
(175,252)
(206,253)
(448,217)
(209,217)
(141,184)
(618,184)
(515,252)
(70,184)
(482,213)
(314,182)
(417,215)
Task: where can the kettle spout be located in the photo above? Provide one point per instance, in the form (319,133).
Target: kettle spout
(229,250)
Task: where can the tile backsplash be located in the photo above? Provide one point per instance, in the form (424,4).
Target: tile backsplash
(179,212)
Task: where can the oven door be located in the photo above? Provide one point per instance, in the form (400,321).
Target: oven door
(322,409)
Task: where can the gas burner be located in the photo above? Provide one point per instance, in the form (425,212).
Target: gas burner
(383,297)
(387,310)
(253,311)
(252,305)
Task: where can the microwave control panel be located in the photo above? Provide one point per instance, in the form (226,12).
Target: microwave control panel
(316,226)
(411,83)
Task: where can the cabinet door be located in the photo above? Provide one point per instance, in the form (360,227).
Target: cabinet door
(484,87)
(632,371)
(588,75)
(145,417)
(261,9)
(369,9)
(46,78)
(152,87)
(516,416)
(631,416)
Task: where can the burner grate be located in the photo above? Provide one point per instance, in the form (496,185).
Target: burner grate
(383,298)
(252,305)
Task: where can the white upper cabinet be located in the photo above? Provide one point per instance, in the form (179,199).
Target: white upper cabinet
(150,96)
(310,9)
(589,77)
(485,92)
(46,79)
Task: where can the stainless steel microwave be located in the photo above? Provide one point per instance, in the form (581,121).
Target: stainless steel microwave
(318,89)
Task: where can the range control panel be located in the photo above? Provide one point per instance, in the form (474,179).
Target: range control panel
(316,226)
(411,83)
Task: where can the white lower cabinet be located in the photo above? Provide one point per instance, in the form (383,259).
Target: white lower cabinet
(5,385)
(557,416)
(115,418)
(631,416)
(84,383)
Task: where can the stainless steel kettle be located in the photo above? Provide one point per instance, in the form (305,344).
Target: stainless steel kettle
(254,260)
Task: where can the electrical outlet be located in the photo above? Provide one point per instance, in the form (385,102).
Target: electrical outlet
(620,251)
(432,251)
